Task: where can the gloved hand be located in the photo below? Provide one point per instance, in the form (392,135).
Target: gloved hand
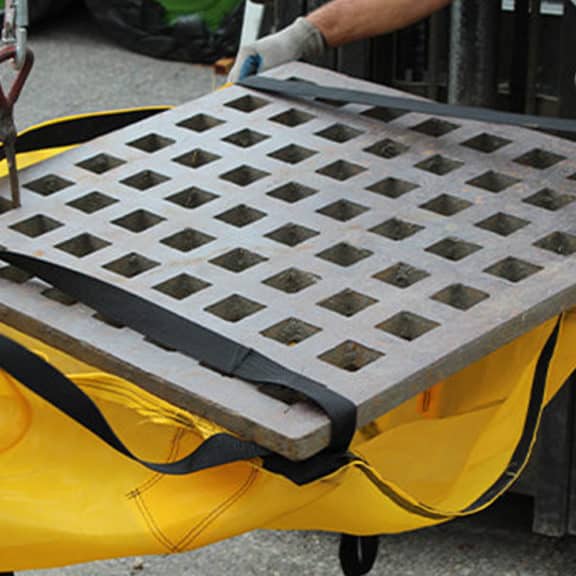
(300,40)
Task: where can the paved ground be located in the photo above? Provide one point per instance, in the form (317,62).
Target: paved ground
(79,70)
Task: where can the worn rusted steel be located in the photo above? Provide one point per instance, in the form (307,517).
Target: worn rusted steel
(371,251)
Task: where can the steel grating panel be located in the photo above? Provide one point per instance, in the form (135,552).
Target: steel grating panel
(374,252)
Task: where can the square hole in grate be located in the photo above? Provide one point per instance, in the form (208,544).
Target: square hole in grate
(460,296)
(292,280)
(48,185)
(348,303)
(331,102)
(549,199)
(83,245)
(234,308)
(292,234)
(196,158)
(100,163)
(561,243)
(343,210)
(387,148)
(238,260)
(539,159)
(392,187)
(493,181)
(92,202)
(108,321)
(453,249)
(401,275)
(339,133)
(486,143)
(200,122)
(246,138)
(446,205)
(341,170)
(292,118)
(58,296)
(344,254)
(439,165)
(151,143)
(513,269)
(244,175)
(350,356)
(291,331)
(407,326)
(384,114)
(247,103)
(5,205)
(15,275)
(435,127)
(292,192)
(192,198)
(138,221)
(502,224)
(160,345)
(187,240)
(145,180)
(36,225)
(131,265)
(182,286)
(292,154)
(396,229)
(241,216)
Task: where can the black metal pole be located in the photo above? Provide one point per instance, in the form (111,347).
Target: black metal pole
(568,61)
(533,55)
(520,51)
(473,52)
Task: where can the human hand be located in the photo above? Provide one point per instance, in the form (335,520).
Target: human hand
(300,40)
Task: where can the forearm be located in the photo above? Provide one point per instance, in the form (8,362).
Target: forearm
(343,21)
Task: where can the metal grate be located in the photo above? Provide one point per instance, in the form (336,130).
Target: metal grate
(357,246)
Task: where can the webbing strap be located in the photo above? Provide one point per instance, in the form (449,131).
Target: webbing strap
(358,553)
(44,380)
(533,416)
(304,89)
(210,348)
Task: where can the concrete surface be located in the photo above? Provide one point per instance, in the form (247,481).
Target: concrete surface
(495,543)
(79,70)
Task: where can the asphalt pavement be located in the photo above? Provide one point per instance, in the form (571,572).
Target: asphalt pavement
(79,70)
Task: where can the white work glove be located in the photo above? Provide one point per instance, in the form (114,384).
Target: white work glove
(300,40)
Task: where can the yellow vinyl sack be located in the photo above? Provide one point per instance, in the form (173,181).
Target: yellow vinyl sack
(69,495)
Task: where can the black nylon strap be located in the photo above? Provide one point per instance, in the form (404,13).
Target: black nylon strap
(358,554)
(301,89)
(193,340)
(44,380)
(51,385)
(522,451)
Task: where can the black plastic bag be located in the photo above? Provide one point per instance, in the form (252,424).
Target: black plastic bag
(141,25)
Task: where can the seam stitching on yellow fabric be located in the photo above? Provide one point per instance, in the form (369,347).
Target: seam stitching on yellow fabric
(193,533)
(153,527)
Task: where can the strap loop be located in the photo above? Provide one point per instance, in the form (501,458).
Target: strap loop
(193,340)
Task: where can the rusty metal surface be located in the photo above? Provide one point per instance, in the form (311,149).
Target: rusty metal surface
(375,255)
